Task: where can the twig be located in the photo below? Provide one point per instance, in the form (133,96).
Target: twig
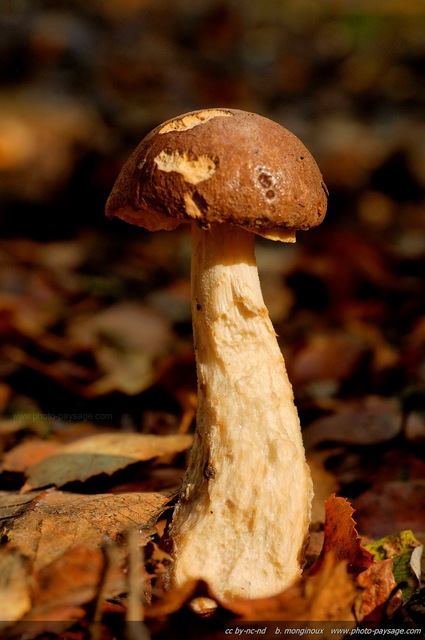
(135,612)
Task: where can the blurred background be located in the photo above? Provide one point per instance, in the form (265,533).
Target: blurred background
(95,315)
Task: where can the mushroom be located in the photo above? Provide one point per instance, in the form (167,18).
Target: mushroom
(242,519)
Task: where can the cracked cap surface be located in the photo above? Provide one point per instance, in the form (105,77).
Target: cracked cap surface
(216,166)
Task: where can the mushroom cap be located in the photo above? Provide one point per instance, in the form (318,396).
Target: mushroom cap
(220,165)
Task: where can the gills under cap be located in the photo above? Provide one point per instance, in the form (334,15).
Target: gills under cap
(220,166)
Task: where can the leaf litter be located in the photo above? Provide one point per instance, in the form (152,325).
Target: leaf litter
(96,321)
(101,453)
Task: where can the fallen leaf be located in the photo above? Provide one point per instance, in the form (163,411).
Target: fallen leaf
(125,325)
(56,598)
(378,584)
(13,504)
(55,521)
(405,552)
(342,539)
(101,453)
(125,339)
(130,372)
(15,591)
(26,454)
(368,421)
(61,589)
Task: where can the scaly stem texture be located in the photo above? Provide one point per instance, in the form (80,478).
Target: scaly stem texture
(243,515)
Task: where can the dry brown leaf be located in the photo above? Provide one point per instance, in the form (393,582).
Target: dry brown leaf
(13,504)
(101,453)
(56,521)
(15,591)
(61,589)
(342,539)
(369,421)
(56,598)
(27,453)
(123,325)
(377,583)
(310,599)
(124,339)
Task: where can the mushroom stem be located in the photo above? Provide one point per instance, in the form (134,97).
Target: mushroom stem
(243,515)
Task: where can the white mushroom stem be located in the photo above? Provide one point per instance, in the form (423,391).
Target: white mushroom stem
(243,515)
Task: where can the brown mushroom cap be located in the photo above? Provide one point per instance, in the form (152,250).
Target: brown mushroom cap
(220,165)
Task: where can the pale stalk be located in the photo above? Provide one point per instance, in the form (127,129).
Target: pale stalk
(242,520)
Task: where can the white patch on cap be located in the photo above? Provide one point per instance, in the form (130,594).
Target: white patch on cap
(192,167)
(193,119)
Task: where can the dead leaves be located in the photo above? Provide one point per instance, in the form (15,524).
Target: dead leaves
(124,357)
(53,522)
(63,551)
(345,584)
(378,586)
(53,597)
(101,453)
(55,533)
(311,599)
(404,552)
(57,599)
